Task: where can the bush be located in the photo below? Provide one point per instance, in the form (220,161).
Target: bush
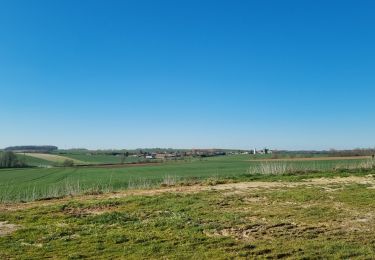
(68,163)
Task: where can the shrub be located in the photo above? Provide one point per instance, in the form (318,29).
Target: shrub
(68,163)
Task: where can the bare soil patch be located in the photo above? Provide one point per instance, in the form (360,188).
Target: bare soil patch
(7,228)
(339,180)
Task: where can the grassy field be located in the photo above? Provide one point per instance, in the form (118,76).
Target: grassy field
(321,219)
(37,183)
(51,157)
(43,160)
(102,158)
(33,161)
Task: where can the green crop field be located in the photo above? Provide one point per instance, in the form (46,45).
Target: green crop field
(101,158)
(41,160)
(33,161)
(36,183)
(212,208)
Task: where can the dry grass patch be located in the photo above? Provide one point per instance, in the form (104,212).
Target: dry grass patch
(266,231)
(7,228)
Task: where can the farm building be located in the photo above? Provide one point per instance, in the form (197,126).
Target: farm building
(263,151)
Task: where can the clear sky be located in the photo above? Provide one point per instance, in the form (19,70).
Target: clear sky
(191,73)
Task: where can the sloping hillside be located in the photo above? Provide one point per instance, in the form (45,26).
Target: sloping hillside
(52,157)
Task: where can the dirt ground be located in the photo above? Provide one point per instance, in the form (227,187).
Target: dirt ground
(7,228)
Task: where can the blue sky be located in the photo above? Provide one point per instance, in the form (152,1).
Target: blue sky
(187,74)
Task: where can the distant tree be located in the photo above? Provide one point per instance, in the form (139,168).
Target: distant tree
(124,156)
(32,148)
(68,163)
(9,159)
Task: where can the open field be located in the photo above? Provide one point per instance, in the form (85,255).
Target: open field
(35,162)
(325,158)
(313,219)
(37,183)
(43,159)
(101,158)
(51,157)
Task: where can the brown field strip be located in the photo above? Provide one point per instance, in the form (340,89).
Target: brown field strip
(312,159)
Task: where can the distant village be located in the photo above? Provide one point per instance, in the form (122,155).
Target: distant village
(164,155)
(154,153)
(176,154)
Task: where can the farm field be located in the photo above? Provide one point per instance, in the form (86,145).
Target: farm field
(51,157)
(34,161)
(319,218)
(101,158)
(316,158)
(43,160)
(37,183)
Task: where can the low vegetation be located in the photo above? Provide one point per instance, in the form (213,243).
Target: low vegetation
(214,208)
(307,220)
(68,163)
(287,167)
(42,183)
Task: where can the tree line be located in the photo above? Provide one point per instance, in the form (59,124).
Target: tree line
(10,160)
(32,148)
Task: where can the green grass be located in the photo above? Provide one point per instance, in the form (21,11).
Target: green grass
(102,158)
(37,183)
(299,223)
(33,161)
(83,158)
